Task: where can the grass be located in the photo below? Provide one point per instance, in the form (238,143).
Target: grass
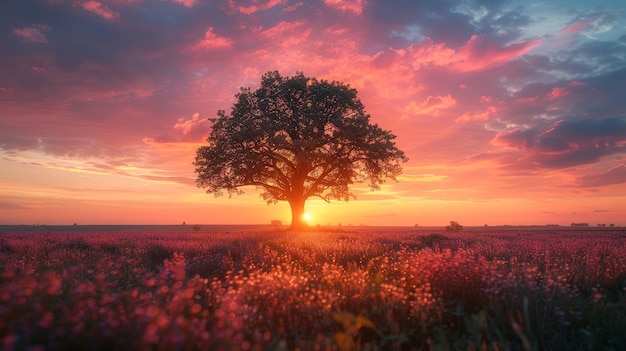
(194,290)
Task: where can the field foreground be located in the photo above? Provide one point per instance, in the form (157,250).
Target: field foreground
(276,290)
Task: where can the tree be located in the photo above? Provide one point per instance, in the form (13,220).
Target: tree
(454,226)
(296,138)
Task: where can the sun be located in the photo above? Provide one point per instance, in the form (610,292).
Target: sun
(307,217)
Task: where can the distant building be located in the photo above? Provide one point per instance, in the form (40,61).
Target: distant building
(277,222)
(552,225)
(580,224)
(601,224)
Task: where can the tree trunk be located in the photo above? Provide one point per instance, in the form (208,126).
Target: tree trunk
(297,214)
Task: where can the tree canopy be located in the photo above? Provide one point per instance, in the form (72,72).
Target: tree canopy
(296,138)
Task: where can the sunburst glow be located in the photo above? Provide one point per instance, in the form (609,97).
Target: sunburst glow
(307,217)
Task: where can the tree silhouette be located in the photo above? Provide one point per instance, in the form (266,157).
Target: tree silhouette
(454,226)
(296,138)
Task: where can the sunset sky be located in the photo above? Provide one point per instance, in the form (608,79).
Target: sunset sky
(511,112)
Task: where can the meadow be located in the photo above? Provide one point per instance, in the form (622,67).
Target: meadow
(321,290)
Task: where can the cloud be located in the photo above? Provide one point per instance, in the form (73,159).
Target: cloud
(482,52)
(558,92)
(99,9)
(428,53)
(184,130)
(355,6)
(169,179)
(483,115)
(423,178)
(615,175)
(249,7)
(14,142)
(567,142)
(212,41)
(576,84)
(186,3)
(11,206)
(33,34)
(286,33)
(575,27)
(433,106)
(516,139)
(592,23)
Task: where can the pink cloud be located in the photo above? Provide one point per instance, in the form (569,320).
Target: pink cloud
(355,6)
(558,93)
(527,101)
(293,7)
(282,30)
(186,3)
(615,175)
(184,130)
(253,5)
(575,83)
(515,139)
(186,126)
(576,27)
(99,9)
(478,115)
(428,53)
(212,41)
(293,35)
(433,105)
(480,52)
(32,34)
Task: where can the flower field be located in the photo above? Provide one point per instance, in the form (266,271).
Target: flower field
(277,290)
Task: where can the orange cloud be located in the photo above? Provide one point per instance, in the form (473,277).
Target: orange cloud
(99,9)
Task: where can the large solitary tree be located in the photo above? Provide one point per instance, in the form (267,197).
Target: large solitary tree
(295,138)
